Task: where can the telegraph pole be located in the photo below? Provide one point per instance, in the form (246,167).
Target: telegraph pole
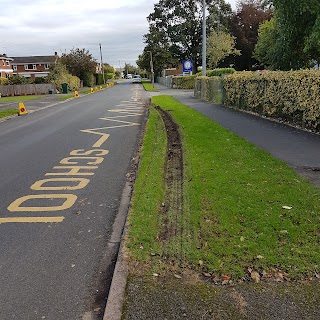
(152,71)
(102,68)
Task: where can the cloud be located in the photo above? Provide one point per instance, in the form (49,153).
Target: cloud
(41,27)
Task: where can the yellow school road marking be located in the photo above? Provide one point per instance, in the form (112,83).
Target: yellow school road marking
(32,220)
(69,200)
(102,140)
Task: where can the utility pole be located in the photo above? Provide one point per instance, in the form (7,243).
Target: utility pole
(204,41)
(151,67)
(102,68)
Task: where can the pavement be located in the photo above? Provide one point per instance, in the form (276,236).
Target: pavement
(148,297)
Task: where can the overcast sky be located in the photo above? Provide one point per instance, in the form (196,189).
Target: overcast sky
(42,27)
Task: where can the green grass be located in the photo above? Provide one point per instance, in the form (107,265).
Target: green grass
(66,97)
(9,112)
(234,193)
(148,86)
(18,98)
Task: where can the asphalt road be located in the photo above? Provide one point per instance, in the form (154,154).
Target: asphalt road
(62,171)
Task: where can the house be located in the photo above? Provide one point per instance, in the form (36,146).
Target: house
(5,66)
(173,71)
(33,66)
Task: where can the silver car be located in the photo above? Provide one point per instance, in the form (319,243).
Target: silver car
(136,79)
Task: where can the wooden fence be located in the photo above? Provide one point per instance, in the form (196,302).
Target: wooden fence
(27,89)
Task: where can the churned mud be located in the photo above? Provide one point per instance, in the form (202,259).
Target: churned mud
(172,207)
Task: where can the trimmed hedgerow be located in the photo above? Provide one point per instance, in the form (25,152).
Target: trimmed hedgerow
(209,89)
(291,96)
(186,82)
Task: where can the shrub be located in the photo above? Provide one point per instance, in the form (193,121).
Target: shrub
(291,96)
(186,82)
(209,89)
(218,72)
(3,81)
(88,79)
(39,80)
(17,79)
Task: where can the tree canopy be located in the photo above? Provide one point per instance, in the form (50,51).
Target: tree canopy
(175,29)
(79,62)
(295,35)
(219,46)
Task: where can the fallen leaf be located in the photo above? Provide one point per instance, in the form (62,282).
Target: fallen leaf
(177,276)
(225,277)
(255,276)
(200,263)
(241,239)
(206,274)
(260,257)
(155,274)
(286,207)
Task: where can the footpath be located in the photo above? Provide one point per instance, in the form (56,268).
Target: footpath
(155,298)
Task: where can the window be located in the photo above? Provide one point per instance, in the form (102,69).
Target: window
(3,63)
(30,67)
(8,63)
(14,67)
(46,66)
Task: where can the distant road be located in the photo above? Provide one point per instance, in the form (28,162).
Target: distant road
(62,171)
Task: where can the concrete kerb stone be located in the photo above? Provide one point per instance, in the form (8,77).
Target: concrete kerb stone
(114,306)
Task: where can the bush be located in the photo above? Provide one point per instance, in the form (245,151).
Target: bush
(88,79)
(291,96)
(209,89)
(17,79)
(3,81)
(39,80)
(186,82)
(218,72)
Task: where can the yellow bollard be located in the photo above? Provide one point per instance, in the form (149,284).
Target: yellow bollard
(91,90)
(76,94)
(101,88)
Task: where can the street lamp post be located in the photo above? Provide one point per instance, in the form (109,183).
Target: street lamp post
(204,41)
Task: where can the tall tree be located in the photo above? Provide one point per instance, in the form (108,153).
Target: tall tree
(244,26)
(180,23)
(79,62)
(157,47)
(219,46)
(299,31)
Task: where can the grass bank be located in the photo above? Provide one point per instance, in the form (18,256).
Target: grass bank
(18,98)
(7,113)
(244,212)
(148,86)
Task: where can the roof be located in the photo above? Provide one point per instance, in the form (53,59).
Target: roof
(4,57)
(34,59)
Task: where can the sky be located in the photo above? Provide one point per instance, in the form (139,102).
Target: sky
(43,27)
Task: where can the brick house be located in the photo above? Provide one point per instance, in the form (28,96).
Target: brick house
(33,66)
(5,66)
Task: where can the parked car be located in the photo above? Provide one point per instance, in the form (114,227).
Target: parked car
(136,79)
(129,76)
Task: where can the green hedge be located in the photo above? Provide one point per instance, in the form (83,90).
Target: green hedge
(186,82)
(99,77)
(209,89)
(291,96)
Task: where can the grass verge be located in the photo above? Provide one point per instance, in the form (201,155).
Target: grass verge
(148,86)
(18,98)
(243,209)
(7,113)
